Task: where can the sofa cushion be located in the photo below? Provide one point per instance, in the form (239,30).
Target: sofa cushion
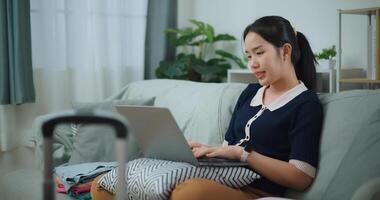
(360,164)
(202,110)
(94,143)
(344,115)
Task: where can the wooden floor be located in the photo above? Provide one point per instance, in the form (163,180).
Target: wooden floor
(19,158)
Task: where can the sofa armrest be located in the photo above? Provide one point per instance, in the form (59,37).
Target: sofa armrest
(369,190)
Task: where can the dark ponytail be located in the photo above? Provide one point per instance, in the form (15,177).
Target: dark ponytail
(305,67)
(278,31)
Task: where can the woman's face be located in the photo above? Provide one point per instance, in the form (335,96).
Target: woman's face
(264,59)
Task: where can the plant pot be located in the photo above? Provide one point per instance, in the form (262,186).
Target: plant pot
(332,63)
(325,64)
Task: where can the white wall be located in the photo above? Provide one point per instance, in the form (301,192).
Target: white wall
(317,19)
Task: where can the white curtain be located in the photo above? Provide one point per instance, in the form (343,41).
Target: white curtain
(83,50)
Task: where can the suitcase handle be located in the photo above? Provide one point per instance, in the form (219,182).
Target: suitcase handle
(85,116)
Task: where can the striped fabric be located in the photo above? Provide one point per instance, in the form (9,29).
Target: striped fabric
(155,179)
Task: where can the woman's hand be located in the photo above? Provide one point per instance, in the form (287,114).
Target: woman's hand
(231,152)
(195,144)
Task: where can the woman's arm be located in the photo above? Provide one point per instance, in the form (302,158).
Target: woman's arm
(278,171)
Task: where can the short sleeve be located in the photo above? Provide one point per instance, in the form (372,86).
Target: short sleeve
(305,135)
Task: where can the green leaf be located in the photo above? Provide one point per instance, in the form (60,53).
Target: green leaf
(224,37)
(326,53)
(209,32)
(206,29)
(216,67)
(234,58)
(186,39)
(172,30)
(215,61)
(177,69)
(199,24)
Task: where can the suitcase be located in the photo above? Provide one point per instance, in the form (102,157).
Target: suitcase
(85,116)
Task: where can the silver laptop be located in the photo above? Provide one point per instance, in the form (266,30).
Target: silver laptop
(159,136)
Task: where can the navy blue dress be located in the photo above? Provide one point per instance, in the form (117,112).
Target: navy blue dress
(291,131)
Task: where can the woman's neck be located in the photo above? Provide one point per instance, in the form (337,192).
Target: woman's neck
(282,86)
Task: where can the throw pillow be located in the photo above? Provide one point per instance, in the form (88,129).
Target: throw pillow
(155,179)
(95,143)
(361,163)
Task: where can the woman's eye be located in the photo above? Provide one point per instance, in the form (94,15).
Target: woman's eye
(259,53)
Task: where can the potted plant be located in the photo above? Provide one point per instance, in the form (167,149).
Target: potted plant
(326,58)
(199,60)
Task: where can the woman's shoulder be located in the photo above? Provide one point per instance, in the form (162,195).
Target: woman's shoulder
(250,90)
(253,87)
(309,97)
(248,93)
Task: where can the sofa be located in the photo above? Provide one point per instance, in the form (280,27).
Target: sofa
(349,166)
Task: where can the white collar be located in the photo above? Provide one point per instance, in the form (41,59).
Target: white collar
(289,95)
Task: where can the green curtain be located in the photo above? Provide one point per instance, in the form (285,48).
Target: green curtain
(162,14)
(16,74)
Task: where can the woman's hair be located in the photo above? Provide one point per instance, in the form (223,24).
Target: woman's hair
(278,31)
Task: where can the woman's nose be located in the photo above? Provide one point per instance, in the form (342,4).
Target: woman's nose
(253,64)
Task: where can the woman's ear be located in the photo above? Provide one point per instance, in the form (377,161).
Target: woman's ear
(287,51)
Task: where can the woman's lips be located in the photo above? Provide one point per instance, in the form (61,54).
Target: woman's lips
(260,75)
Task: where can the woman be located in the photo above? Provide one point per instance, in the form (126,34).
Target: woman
(276,124)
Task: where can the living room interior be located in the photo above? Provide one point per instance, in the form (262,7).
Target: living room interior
(91,51)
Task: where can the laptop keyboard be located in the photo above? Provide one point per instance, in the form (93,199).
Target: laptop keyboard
(217,161)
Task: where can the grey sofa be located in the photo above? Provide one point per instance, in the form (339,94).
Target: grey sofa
(349,165)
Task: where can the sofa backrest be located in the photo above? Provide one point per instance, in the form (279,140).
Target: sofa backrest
(202,110)
(346,114)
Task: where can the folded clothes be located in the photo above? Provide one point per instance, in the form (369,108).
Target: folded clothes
(60,187)
(81,196)
(71,175)
(81,188)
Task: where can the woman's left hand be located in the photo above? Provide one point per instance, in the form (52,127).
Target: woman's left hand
(231,152)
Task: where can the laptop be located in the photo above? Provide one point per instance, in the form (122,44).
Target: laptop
(159,136)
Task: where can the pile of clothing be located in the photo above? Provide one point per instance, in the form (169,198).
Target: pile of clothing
(76,180)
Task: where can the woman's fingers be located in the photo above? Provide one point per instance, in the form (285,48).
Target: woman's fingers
(195,144)
(230,152)
(202,151)
(213,154)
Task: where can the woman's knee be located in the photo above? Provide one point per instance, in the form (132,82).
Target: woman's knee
(191,189)
(204,189)
(98,193)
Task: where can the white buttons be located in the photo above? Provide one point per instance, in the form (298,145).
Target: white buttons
(247,127)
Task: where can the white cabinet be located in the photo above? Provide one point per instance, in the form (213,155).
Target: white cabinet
(240,76)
